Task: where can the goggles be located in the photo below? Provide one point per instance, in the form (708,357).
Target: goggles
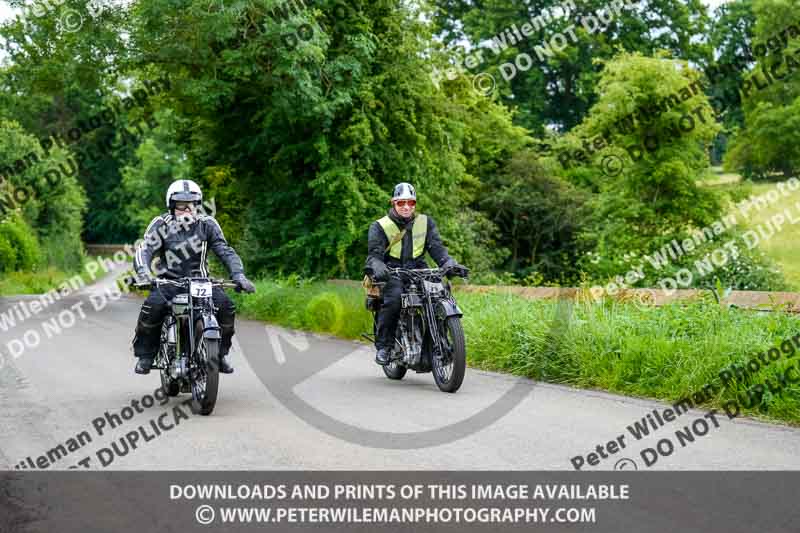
(184,206)
(403,203)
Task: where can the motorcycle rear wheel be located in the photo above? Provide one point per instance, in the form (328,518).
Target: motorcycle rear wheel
(205,377)
(450,376)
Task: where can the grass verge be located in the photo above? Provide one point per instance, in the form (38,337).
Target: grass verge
(780,246)
(39,282)
(664,353)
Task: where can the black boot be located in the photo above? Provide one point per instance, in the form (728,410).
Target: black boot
(143,365)
(225,365)
(382,356)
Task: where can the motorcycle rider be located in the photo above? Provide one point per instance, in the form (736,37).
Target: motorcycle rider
(181,239)
(400,240)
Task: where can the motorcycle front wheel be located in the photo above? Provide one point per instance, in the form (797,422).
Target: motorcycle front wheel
(204,376)
(394,370)
(449,367)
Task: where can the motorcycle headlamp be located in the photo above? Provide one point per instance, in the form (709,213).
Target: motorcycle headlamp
(180,303)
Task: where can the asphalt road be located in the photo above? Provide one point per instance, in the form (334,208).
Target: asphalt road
(300,401)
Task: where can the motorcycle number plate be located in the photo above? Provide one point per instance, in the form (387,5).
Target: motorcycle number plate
(434,287)
(200,289)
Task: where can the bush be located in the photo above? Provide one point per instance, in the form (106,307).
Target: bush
(8,255)
(19,249)
(47,228)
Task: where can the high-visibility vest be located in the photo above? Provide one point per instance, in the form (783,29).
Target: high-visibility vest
(418,233)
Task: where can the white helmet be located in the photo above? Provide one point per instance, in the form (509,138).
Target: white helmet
(404,191)
(183,191)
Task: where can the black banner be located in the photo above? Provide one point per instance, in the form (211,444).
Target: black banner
(640,502)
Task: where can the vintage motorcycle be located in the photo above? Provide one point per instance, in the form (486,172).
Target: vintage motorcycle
(188,356)
(429,335)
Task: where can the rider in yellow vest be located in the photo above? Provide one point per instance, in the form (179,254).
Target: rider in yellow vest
(400,240)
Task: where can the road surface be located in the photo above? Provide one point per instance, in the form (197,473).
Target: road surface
(333,410)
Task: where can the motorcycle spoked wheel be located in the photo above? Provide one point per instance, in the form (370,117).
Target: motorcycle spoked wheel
(204,376)
(394,370)
(170,386)
(450,367)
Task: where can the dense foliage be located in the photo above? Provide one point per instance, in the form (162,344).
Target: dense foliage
(769,143)
(298,122)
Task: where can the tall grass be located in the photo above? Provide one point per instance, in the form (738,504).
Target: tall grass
(313,306)
(40,281)
(665,353)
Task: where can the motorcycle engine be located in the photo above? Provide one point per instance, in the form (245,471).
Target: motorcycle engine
(411,341)
(179,368)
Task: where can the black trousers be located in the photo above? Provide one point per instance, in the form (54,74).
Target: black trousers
(154,310)
(389,313)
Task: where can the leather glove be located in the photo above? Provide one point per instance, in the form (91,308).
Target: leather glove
(454,269)
(459,270)
(379,271)
(243,284)
(143,277)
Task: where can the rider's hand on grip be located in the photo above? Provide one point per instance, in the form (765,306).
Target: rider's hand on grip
(379,271)
(142,280)
(243,284)
(458,270)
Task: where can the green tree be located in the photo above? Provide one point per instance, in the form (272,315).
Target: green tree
(315,133)
(768,142)
(52,205)
(55,80)
(539,216)
(655,196)
(732,38)
(560,88)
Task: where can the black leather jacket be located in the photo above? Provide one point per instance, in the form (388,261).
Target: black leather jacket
(182,248)
(377,243)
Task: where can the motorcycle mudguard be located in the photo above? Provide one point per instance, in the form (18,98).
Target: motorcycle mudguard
(447,308)
(210,327)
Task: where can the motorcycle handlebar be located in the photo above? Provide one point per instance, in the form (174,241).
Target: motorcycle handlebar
(183,282)
(421,272)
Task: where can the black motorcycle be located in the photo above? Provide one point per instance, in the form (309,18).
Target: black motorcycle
(188,356)
(429,335)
